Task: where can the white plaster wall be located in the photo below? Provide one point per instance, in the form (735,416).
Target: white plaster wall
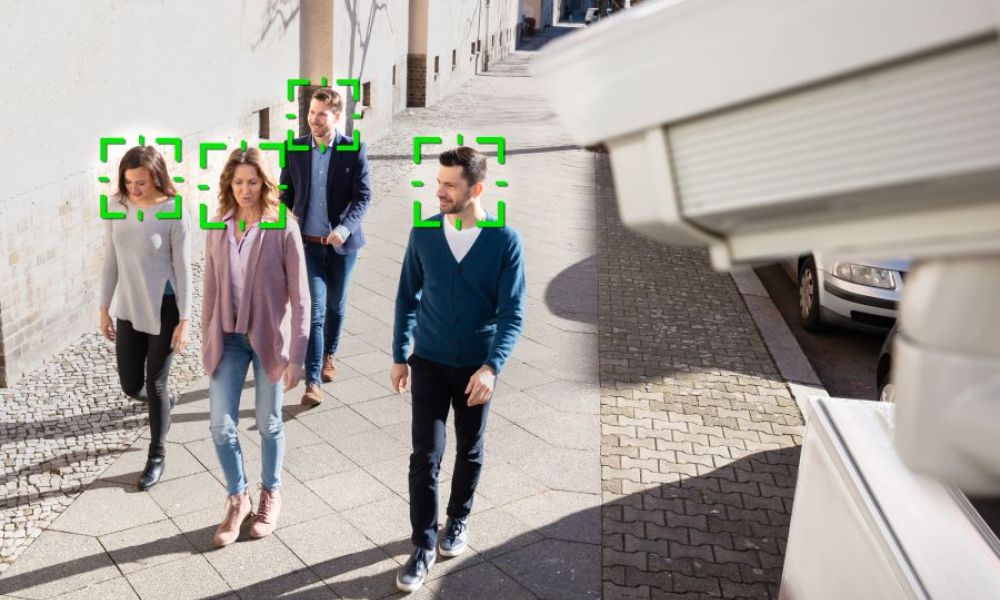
(456,25)
(76,71)
(370,37)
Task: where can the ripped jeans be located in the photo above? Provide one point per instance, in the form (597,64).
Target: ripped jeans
(224,390)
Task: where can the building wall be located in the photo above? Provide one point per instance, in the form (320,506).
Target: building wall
(542,11)
(195,70)
(452,40)
(370,40)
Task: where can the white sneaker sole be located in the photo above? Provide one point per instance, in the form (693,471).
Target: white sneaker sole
(412,587)
(454,552)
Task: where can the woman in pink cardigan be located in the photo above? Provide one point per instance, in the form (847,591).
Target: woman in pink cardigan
(255,310)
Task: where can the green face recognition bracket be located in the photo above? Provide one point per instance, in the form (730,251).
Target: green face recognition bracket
(418,149)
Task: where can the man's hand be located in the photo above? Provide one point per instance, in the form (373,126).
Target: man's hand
(334,239)
(179,339)
(107,325)
(293,375)
(399,376)
(480,387)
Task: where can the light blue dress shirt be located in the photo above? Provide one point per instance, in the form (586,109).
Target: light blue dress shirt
(317,221)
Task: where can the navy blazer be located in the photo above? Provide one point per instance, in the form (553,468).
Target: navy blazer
(348,187)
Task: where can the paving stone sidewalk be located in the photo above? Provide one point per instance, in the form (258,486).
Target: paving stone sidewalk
(344,530)
(700,435)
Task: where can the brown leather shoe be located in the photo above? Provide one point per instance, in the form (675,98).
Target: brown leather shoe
(329,370)
(237,511)
(313,395)
(268,509)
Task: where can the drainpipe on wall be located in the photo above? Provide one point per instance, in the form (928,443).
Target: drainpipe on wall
(486,55)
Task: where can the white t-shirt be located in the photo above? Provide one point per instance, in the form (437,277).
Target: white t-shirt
(460,242)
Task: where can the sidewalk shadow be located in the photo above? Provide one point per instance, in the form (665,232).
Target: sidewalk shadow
(572,294)
(714,533)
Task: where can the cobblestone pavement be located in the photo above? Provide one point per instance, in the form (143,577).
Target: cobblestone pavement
(699,437)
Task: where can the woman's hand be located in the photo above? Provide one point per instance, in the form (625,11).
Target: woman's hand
(179,339)
(107,327)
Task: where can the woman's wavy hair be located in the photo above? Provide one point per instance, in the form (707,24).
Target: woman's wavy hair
(269,189)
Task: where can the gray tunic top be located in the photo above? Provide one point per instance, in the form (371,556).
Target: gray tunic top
(142,256)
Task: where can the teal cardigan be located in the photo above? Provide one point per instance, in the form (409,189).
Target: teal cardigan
(460,314)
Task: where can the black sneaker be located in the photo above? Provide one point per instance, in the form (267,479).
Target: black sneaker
(455,538)
(411,576)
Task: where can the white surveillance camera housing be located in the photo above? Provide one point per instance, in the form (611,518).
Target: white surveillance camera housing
(859,127)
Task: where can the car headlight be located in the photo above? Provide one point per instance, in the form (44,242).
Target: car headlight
(865,275)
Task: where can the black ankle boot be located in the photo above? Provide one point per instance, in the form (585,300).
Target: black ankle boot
(152,473)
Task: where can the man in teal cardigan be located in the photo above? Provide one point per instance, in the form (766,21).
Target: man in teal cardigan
(461,302)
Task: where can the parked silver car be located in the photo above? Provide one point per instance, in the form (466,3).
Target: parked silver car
(863,294)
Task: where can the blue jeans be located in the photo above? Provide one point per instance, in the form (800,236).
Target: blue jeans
(329,274)
(224,389)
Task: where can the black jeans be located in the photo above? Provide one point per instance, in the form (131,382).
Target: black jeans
(435,388)
(146,358)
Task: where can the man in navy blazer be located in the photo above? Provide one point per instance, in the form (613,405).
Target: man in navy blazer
(328,190)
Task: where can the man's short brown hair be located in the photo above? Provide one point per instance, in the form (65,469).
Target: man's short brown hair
(329,97)
(472,162)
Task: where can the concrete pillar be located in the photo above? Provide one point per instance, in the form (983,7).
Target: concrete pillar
(416,57)
(315,51)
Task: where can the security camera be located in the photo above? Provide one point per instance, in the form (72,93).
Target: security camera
(868,128)
(764,129)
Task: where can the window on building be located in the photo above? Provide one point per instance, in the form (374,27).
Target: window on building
(264,123)
(366,94)
(454,59)
(393,74)
(437,66)
(479,45)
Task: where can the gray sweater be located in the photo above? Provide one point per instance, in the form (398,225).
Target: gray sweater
(141,257)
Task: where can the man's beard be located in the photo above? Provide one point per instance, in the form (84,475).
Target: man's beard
(457,207)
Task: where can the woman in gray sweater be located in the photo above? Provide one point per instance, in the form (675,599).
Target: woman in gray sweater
(148,266)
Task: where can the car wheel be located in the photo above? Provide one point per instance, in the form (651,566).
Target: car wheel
(809,316)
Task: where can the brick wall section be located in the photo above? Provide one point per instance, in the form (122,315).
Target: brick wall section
(416,80)
(700,436)
(51,247)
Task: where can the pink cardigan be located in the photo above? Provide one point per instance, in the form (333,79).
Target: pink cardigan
(275,281)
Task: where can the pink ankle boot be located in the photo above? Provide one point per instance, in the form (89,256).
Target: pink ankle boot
(238,508)
(268,509)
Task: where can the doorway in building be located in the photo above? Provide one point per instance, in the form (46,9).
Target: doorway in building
(573,11)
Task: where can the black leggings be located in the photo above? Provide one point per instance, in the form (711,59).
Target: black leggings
(143,357)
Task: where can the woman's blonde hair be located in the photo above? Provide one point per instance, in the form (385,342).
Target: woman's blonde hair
(269,189)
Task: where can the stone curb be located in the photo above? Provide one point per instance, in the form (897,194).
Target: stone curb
(781,343)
